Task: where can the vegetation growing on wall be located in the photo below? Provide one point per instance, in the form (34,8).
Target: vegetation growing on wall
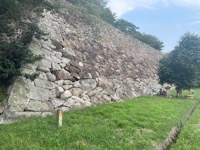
(132,30)
(17,28)
(95,7)
(99,9)
(13,56)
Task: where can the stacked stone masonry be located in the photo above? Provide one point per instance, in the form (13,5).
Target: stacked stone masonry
(82,66)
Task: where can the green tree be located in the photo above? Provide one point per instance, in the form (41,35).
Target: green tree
(132,30)
(126,26)
(150,40)
(182,66)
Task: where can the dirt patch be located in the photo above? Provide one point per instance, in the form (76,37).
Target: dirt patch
(198,127)
(143,130)
(156,145)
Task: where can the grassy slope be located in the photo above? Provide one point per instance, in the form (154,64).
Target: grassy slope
(141,123)
(190,135)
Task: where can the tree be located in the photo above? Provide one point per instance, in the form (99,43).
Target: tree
(131,29)
(182,66)
(150,40)
(126,26)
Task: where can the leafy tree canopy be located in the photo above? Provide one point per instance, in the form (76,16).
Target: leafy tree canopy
(182,66)
(126,26)
(132,30)
(150,40)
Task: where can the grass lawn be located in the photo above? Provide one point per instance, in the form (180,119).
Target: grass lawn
(137,124)
(187,92)
(190,135)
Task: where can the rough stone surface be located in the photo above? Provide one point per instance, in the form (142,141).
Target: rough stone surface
(62,74)
(1,109)
(67,94)
(51,76)
(67,87)
(19,96)
(57,102)
(76,91)
(89,84)
(38,106)
(52,94)
(82,65)
(44,63)
(44,84)
(69,102)
(59,91)
(38,93)
(55,66)
(43,69)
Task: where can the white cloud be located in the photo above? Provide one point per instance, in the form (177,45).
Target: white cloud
(121,7)
(195,22)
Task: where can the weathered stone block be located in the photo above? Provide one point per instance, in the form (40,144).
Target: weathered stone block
(65,60)
(38,106)
(88,84)
(52,94)
(59,91)
(69,51)
(57,102)
(43,69)
(62,74)
(44,63)
(38,93)
(19,95)
(44,84)
(69,102)
(50,76)
(1,109)
(78,100)
(55,66)
(67,87)
(67,94)
(76,91)
(59,82)
(55,59)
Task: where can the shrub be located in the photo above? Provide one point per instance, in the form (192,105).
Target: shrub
(12,56)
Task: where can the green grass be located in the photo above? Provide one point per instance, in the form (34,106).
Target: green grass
(187,92)
(138,124)
(190,135)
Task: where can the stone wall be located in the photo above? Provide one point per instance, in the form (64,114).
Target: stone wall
(82,65)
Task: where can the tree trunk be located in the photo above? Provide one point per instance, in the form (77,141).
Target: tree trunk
(179,92)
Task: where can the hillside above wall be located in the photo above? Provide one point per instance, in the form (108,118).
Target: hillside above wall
(85,62)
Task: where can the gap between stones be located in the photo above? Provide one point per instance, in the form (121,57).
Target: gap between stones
(176,130)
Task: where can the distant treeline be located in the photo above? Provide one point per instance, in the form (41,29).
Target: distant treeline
(99,8)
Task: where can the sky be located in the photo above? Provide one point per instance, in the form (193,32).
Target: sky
(166,19)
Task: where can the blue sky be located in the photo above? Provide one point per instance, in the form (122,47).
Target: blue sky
(166,19)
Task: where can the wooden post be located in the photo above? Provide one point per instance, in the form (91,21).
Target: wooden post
(59,117)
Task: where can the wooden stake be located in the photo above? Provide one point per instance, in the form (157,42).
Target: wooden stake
(59,117)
